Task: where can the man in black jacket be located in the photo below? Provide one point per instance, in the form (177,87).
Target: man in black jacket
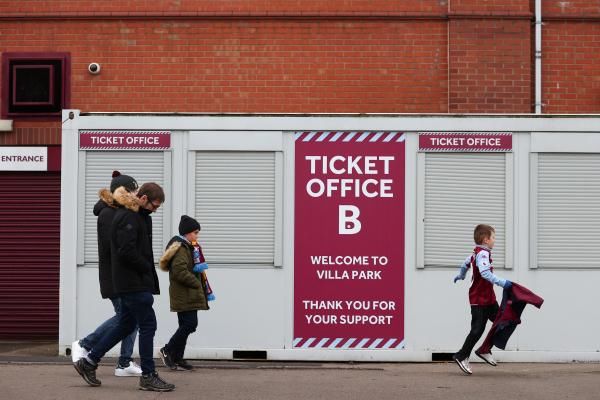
(105,210)
(135,281)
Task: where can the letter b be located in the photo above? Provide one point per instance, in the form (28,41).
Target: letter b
(348,222)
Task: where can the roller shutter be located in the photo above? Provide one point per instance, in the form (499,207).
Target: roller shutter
(29,255)
(461,191)
(235,196)
(144,167)
(568,210)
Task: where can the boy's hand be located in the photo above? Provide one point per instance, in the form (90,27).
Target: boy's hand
(200,267)
(507,284)
(458,278)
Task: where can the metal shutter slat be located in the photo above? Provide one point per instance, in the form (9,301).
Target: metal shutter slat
(143,167)
(29,255)
(235,204)
(568,211)
(461,191)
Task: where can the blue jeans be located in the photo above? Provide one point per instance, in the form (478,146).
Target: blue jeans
(90,340)
(136,308)
(188,321)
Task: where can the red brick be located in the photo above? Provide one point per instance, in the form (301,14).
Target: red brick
(193,7)
(571,67)
(487,56)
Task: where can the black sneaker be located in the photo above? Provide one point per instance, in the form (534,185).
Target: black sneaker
(87,371)
(167,359)
(183,364)
(154,383)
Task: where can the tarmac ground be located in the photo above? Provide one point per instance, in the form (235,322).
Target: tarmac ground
(43,376)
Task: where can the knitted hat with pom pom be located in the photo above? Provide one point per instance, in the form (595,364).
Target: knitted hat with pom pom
(126,181)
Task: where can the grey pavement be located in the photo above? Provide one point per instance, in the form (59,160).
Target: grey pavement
(31,377)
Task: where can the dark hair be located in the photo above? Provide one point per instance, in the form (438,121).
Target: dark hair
(153,191)
(482,232)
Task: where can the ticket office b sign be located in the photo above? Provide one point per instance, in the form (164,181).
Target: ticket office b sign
(349,240)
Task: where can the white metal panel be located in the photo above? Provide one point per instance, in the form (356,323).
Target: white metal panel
(532,342)
(235,203)
(236,140)
(461,191)
(349,122)
(230,323)
(568,210)
(69,198)
(562,142)
(99,165)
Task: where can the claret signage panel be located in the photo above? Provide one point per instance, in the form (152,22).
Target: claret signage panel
(124,140)
(465,141)
(349,240)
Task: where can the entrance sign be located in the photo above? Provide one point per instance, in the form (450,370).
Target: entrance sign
(23,158)
(349,240)
(124,140)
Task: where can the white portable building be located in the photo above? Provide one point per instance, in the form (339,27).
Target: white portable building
(337,237)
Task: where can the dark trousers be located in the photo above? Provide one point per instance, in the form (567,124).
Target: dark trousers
(479,317)
(188,322)
(136,308)
(90,340)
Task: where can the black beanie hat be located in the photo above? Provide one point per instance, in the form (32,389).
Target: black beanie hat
(187,225)
(126,181)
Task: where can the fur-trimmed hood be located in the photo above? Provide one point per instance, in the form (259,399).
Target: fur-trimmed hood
(168,255)
(105,200)
(172,247)
(121,197)
(106,196)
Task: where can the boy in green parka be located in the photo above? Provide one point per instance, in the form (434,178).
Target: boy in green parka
(187,291)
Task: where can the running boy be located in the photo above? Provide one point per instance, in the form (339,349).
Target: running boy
(481,294)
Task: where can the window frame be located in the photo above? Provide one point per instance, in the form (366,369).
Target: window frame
(241,141)
(84,211)
(536,222)
(8,97)
(508,217)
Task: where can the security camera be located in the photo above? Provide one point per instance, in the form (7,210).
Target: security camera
(94,68)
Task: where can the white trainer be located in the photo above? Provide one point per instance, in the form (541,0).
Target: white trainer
(463,364)
(77,352)
(131,370)
(487,357)
(467,365)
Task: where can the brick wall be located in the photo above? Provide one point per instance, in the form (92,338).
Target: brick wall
(490,66)
(433,56)
(32,133)
(553,8)
(85,7)
(507,7)
(571,67)
(248,66)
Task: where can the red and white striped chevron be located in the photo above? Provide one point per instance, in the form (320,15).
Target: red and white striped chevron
(348,343)
(350,136)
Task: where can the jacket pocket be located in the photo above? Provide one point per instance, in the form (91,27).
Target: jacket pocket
(195,297)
